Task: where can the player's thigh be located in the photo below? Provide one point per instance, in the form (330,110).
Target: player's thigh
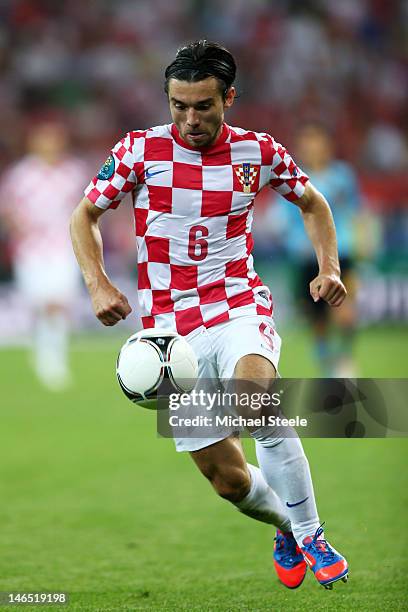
(194,439)
(248,345)
(251,350)
(255,367)
(202,347)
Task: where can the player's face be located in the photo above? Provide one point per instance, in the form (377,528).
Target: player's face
(197,109)
(314,148)
(48,140)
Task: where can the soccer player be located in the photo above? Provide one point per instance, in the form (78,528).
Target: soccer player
(45,269)
(334,329)
(193,184)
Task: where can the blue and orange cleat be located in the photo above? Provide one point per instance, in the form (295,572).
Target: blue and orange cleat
(288,560)
(326,563)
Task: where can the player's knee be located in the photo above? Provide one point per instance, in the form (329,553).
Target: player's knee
(232,484)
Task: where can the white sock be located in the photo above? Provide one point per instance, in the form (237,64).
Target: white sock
(262,503)
(286,470)
(51,349)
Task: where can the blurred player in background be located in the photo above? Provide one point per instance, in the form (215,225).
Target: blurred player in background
(193,184)
(36,196)
(333,329)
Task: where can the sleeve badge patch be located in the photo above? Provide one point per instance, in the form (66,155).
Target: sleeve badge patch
(107,169)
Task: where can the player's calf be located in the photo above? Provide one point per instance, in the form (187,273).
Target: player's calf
(232,483)
(241,483)
(224,465)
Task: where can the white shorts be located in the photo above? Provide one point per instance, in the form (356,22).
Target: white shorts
(40,282)
(219,349)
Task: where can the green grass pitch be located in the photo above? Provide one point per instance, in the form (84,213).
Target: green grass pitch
(94,504)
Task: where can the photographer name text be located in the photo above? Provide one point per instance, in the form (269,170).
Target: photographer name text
(236,421)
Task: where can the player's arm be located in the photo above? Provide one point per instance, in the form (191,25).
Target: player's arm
(319,225)
(109,304)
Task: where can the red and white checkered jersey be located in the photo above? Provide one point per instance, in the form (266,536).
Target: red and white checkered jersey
(193,217)
(38,199)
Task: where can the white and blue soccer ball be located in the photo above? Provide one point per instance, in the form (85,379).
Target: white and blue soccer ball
(152,359)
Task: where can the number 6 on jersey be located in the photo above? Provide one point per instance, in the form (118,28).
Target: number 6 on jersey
(196,242)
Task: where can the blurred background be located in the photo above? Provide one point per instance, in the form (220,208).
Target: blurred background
(93,71)
(87,506)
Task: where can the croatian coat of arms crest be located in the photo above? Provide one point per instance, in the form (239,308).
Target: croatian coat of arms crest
(246,174)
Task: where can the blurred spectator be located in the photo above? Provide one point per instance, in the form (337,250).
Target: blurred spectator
(342,61)
(37,196)
(333,328)
(100,64)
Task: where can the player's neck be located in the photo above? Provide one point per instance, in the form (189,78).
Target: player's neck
(220,137)
(217,136)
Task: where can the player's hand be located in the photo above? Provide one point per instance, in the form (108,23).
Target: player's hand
(329,288)
(110,305)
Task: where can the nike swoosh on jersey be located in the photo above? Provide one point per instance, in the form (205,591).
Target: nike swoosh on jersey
(150,174)
(297,503)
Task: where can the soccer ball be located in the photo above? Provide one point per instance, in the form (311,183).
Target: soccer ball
(154,359)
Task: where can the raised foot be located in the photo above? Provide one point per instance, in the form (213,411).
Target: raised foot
(327,564)
(329,586)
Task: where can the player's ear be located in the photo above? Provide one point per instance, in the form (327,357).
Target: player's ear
(229,98)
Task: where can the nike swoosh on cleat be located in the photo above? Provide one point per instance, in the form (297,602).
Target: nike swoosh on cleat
(297,503)
(150,174)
